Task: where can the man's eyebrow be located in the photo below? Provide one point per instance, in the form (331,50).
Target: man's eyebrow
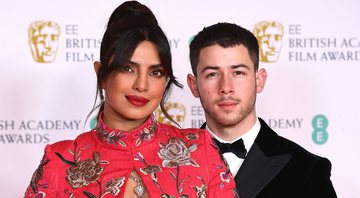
(231,66)
(239,66)
(209,68)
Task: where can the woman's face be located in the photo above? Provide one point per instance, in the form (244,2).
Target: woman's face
(133,93)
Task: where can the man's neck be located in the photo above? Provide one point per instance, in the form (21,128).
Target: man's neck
(230,133)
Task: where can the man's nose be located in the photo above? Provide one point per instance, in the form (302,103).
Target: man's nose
(226,84)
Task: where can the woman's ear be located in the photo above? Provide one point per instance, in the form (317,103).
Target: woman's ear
(97,66)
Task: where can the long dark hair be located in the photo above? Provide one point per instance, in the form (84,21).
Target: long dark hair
(129,25)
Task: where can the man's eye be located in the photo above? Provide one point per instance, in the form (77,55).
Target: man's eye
(239,73)
(212,74)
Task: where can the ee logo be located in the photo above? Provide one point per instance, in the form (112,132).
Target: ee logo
(319,124)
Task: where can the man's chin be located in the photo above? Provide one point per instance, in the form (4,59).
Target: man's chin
(226,121)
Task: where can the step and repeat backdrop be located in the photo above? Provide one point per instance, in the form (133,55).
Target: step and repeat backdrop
(310,49)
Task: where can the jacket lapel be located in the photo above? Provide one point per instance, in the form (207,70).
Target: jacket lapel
(261,164)
(203,126)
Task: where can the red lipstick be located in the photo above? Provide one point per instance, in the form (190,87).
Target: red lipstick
(137,101)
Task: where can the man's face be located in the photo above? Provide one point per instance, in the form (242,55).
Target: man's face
(270,44)
(226,85)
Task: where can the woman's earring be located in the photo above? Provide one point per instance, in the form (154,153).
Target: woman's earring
(102,94)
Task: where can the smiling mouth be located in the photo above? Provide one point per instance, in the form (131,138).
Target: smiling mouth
(137,101)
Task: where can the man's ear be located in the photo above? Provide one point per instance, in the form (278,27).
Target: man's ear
(97,66)
(191,81)
(261,76)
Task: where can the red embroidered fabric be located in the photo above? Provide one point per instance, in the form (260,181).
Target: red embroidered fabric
(171,162)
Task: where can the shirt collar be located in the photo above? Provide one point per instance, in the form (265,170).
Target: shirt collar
(248,137)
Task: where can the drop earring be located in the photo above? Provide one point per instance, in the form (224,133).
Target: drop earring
(102,94)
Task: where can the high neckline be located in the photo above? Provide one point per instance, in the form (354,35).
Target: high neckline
(136,137)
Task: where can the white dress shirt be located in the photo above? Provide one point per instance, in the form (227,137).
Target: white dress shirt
(248,138)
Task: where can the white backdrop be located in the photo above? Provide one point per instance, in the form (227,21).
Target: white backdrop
(314,81)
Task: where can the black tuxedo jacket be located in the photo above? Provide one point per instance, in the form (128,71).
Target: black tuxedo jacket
(276,167)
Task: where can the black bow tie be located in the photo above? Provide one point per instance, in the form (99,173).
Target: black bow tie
(238,148)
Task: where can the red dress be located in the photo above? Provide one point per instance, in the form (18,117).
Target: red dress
(171,162)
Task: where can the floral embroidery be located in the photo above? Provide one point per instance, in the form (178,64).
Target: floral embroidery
(236,194)
(225,177)
(117,136)
(112,137)
(84,176)
(113,186)
(146,134)
(69,193)
(192,136)
(148,169)
(40,194)
(176,153)
(179,184)
(152,170)
(37,176)
(84,172)
(200,191)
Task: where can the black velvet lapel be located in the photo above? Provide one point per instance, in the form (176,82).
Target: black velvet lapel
(263,162)
(257,171)
(203,126)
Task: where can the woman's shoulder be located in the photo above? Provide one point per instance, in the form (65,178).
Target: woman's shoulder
(200,135)
(64,145)
(174,130)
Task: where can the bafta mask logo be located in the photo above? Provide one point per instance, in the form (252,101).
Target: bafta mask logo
(269,35)
(44,40)
(175,110)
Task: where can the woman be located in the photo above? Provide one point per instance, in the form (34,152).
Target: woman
(129,154)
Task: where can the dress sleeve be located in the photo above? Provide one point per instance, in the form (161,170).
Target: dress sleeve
(222,183)
(43,179)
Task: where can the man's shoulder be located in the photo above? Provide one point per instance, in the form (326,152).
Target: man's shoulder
(279,144)
(296,149)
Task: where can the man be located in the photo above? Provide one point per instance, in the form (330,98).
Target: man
(224,59)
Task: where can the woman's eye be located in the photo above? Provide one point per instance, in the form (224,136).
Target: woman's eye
(127,69)
(157,73)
